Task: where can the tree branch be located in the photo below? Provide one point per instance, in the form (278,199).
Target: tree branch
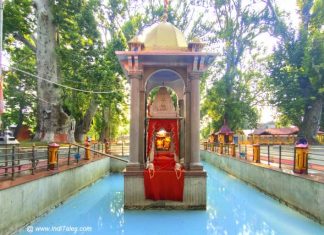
(24,40)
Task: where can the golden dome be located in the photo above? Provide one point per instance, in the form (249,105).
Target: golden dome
(164,36)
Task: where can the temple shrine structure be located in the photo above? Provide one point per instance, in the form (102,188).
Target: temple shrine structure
(164,169)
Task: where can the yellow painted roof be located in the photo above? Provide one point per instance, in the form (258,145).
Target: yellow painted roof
(164,36)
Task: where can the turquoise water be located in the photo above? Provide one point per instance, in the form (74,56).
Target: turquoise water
(233,208)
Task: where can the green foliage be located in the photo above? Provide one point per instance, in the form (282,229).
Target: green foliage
(297,67)
(241,113)
(235,87)
(17,16)
(117,122)
(85,63)
(19,90)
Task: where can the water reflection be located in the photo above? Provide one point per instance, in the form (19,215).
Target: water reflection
(233,208)
(244,210)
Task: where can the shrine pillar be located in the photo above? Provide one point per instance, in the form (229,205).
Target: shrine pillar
(195,163)
(134,146)
(187,128)
(182,129)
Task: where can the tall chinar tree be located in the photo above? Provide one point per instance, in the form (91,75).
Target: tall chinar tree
(51,118)
(86,63)
(297,68)
(237,25)
(68,49)
(31,23)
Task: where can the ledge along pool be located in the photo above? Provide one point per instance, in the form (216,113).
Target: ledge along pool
(232,208)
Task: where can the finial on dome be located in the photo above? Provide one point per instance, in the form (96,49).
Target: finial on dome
(135,44)
(165,14)
(196,45)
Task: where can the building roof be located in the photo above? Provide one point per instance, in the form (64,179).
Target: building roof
(277,131)
(225,130)
(136,39)
(320,132)
(164,36)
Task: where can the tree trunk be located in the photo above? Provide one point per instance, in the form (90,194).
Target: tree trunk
(105,131)
(20,120)
(311,121)
(83,126)
(52,121)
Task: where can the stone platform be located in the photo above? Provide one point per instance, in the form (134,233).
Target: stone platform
(194,195)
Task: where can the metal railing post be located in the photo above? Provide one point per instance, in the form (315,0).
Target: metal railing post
(58,160)
(294,157)
(306,162)
(279,156)
(268,154)
(33,159)
(18,156)
(48,160)
(13,163)
(69,154)
(245,152)
(6,160)
(122,148)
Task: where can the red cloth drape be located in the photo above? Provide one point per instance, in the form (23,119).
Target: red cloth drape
(164,163)
(164,185)
(170,125)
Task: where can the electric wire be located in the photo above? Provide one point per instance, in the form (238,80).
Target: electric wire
(45,101)
(58,84)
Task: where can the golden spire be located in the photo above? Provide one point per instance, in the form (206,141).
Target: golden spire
(165,14)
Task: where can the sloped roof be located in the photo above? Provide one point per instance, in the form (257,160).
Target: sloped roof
(277,131)
(225,130)
(320,132)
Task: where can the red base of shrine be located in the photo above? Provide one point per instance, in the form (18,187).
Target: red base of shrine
(164,182)
(164,162)
(164,185)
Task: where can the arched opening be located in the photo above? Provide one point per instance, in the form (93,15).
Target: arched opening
(168,78)
(163,91)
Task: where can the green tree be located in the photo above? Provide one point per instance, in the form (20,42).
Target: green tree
(234,86)
(23,20)
(84,63)
(19,90)
(297,68)
(78,59)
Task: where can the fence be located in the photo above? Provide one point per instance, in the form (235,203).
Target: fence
(279,156)
(120,149)
(18,161)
